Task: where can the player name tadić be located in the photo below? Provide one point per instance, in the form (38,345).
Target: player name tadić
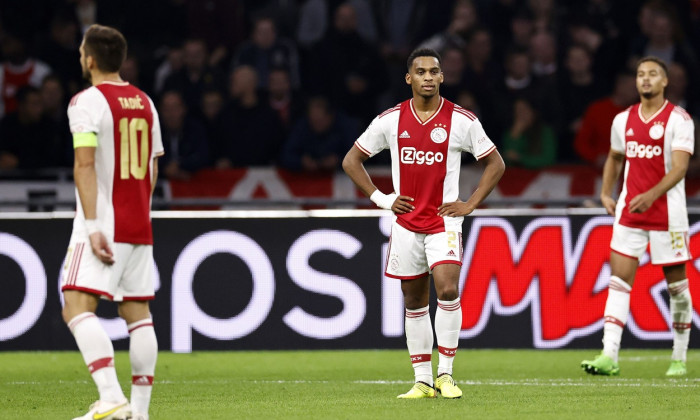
(131,103)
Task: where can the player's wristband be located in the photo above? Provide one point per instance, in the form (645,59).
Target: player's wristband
(384,201)
(91,226)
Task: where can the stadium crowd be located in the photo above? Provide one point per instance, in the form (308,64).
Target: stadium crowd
(241,83)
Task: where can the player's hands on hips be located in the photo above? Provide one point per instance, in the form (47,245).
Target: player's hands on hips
(455,209)
(402,204)
(101,249)
(608,203)
(641,202)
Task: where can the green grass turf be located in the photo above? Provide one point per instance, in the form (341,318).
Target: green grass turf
(497,384)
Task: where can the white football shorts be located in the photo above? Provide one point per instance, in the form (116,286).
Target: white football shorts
(129,278)
(666,248)
(412,255)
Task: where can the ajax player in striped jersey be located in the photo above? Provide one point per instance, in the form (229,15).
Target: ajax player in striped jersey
(654,139)
(426,136)
(116,137)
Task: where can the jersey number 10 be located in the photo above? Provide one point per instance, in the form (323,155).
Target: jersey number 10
(134,157)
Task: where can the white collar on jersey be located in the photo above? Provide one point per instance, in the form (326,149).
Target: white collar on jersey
(413,110)
(112,82)
(646,121)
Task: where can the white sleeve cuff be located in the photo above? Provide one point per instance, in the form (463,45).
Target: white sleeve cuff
(384,201)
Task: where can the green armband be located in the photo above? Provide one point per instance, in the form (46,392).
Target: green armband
(84,140)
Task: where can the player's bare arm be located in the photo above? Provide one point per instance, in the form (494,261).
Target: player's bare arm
(679,166)
(86,182)
(611,173)
(493,171)
(353,165)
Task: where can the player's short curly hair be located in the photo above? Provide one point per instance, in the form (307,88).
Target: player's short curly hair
(107,46)
(422,52)
(653,59)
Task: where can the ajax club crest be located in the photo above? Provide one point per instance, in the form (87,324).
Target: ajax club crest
(656,131)
(439,134)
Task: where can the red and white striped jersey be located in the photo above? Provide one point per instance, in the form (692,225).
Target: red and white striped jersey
(13,77)
(128,138)
(648,144)
(426,158)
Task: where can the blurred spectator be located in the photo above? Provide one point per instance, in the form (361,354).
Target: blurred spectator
(578,89)
(54,103)
(130,71)
(254,133)
(17,70)
(401,24)
(677,90)
(86,12)
(519,83)
(500,16)
(184,139)
(605,16)
(214,119)
(482,75)
(347,49)
(60,51)
(173,63)
(314,17)
(313,22)
(347,68)
(522,28)
(664,39)
(543,50)
(284,12)
(464,19)
(366,21)
(468,101)
(613,20)
(516,83)
(283,100)
(518,78)
(196,76)
(24,134)
(529,142)
(266,51)
(219,23)
(592,142)
(452,70)
(53,99)
(319,141)
(545,15)
(606,56)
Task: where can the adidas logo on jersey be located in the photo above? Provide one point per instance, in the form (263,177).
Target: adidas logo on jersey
(405,135)
(630,132)
(451,254)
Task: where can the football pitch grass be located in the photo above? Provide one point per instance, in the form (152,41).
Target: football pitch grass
(360,384)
